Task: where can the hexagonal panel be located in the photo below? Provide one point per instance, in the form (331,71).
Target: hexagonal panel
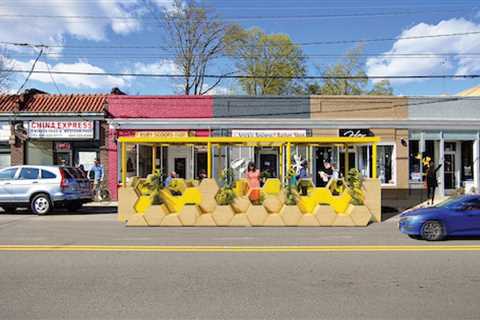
(341,202)
(136,220)
(208,205)
(360,215)
(308,220)
(208,187)
(188,215)
(325,215)
(171,220)
(274,220)
(155,214)
(272,204)
(240,204)
(257,215)
(343,221)
(205,220)
(223,215)
(290,215)
(240,220)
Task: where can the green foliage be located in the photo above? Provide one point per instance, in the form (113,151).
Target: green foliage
(267,55)
(226,195)
(290,194)
(350,66)
(354,184)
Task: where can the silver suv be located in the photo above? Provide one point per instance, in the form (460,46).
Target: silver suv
(42,188)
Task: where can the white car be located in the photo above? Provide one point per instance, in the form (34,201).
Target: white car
(41,188)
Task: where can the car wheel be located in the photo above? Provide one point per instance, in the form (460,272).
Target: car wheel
(432,231)
(9,210)
(40,204)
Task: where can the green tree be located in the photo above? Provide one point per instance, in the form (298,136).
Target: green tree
(338,79)
(270,57)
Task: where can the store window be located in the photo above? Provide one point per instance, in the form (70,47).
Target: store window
(416,165)
(386,164)
(467,160)
(5,158)
(39,152)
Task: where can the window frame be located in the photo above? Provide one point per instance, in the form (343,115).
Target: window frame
(27,168)
(394,162)
(8,169)
(49,172)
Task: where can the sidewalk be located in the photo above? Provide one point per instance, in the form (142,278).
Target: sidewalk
(101,204)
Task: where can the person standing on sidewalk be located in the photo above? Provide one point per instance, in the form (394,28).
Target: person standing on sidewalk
(431,180)
(96,173)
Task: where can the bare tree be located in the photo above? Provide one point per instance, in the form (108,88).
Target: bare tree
(196,36)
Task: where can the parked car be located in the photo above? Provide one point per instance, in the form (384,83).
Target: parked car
(41,188)
(458,216)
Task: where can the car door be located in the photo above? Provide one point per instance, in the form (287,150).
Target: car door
(7,177)
(472,217)
(26,180)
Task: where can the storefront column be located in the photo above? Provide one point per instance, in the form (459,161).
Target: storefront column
(441,160)
(346,159)
(476,162)
(280,152)
(209,160)
(374,161)
(124,164)
(289,161)
(154,158)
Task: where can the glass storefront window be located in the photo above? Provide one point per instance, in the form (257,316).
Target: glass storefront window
(467,160)
(385,164)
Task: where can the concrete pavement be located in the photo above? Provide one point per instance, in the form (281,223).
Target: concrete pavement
(234,285)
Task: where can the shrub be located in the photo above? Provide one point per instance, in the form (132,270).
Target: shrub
(354,184)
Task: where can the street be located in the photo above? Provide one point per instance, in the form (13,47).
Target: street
(134,284)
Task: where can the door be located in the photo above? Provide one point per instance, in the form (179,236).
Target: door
(472,218)
(7,177)
(26,180)
(351,161)
(449,171)
(180,165)
(269,162)
(200,163)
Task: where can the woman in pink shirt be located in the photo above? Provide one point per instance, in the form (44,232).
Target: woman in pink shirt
(253,176)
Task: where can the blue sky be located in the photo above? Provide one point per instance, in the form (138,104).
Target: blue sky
(375,19)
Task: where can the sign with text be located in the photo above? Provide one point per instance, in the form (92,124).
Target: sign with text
(162,134)
(61,130)
(268,133)
(355,133)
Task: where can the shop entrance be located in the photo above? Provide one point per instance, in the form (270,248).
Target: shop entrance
(200,163)
(268,163)
(180,165)
(450,181)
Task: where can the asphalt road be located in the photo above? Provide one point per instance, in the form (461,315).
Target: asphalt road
(91,284)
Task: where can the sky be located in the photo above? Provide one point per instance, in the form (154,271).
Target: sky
(87,43)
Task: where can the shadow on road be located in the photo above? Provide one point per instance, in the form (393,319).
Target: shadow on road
(84,211)
(388,213)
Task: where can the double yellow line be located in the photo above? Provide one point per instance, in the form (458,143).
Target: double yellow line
(153,248)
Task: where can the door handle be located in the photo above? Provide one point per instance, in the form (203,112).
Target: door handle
(35,182)
(8,183)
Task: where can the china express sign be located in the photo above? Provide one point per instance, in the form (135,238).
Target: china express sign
(61,129)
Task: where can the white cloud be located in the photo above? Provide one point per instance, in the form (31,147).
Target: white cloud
(74,81)
(456,45)
(160,67)
(16,28)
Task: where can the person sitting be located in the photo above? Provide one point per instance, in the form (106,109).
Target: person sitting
(172,176)
(202,175)
(302,174)
(253,176)
(325,174)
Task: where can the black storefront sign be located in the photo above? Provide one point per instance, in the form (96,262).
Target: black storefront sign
(355,133)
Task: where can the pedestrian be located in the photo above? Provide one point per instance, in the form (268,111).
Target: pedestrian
(96,173)
(325,174)
(202,175)
(172,176)
(302,174)
(253,176)
(431,181)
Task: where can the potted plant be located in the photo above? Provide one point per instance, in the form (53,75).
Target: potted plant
(225,197)
(360,214)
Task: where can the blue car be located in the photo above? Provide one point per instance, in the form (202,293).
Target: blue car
(459,216)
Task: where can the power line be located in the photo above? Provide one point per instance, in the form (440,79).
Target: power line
(39,45)
(29,72)
(160,75)
(284,17)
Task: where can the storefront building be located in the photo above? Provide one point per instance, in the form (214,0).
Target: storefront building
(54,129)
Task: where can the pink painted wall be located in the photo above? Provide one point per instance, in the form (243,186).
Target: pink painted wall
(160,106)
(148,107)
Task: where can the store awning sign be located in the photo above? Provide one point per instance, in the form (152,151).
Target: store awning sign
(61,129)
(268,133)
(355,133)
(162,134)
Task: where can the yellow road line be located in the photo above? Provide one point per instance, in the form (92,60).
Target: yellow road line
(153,248)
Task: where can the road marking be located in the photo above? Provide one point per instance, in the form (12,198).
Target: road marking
(153,248)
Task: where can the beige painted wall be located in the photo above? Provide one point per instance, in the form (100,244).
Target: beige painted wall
(355,107)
